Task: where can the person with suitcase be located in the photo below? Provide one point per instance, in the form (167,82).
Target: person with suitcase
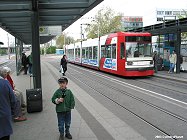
(64,100)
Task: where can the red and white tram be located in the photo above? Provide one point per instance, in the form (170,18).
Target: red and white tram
(122,53)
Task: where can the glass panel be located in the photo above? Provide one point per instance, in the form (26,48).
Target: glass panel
(138,49)
(137,38)
(122,50)
(114,51)
(83,53)
(95,52)
(78,52)
(102,51)
(90,52)
(108,51)
(87,54)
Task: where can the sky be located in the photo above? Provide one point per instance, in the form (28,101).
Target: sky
(144,8)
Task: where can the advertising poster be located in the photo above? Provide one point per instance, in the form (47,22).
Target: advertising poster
(110,64)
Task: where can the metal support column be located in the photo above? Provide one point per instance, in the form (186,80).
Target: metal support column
(178,48)
(16,52)
(36,66)
(81,44)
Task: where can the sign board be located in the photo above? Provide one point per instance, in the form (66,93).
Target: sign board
(50,30)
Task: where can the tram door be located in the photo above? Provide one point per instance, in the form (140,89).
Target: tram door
(122,50)
(121,57)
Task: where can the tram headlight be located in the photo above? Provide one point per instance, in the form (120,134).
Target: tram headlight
(151,62)
(129,63)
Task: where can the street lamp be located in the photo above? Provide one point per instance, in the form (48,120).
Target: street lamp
(82,39)
(98,35)
(81,29)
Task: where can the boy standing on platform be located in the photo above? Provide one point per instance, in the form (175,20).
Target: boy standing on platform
(64,101)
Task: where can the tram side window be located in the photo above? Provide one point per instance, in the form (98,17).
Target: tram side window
(95,52)
(122,50)
(76,52)
(83,53)
(114,51)
(108,51)
(72,53)
(90,52)
(87,54)
(68,53)
(102,51)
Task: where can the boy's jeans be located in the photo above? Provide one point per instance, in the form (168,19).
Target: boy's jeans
(64,118)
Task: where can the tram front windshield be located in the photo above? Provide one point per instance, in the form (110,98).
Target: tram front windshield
(136,49)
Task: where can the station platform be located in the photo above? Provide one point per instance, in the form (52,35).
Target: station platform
(181,77)
(90,119)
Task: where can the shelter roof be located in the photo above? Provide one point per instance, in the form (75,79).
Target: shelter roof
(16,15)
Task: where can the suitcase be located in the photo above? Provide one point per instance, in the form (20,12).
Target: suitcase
(34,100)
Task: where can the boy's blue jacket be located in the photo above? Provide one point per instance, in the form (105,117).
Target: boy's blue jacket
(69,102)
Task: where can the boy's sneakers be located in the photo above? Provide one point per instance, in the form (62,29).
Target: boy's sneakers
(68,136)
(61,137)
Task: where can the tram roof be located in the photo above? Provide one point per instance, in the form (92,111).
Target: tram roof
(15,16)
(165,27)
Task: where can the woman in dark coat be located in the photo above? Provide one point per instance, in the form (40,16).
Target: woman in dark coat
(7,105)
(63,64)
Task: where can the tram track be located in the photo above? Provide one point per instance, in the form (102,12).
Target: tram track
(134,97)
(184,120)
(147,86)
(159,86)
(11,65)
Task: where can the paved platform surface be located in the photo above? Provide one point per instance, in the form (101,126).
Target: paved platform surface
(172,76)
(95,122)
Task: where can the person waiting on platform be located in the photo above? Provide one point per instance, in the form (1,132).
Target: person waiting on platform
(155,59)
(64,100)
(7,105)
(18,115)
(18,93)
(29,60)
(63,65)
(173,60)
(24,62)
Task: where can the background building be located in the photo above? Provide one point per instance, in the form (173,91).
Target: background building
(131,22)
(169,14)
(168,41)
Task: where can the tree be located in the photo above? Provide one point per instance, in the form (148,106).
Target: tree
(107,21)
(60,40)
(184,34)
